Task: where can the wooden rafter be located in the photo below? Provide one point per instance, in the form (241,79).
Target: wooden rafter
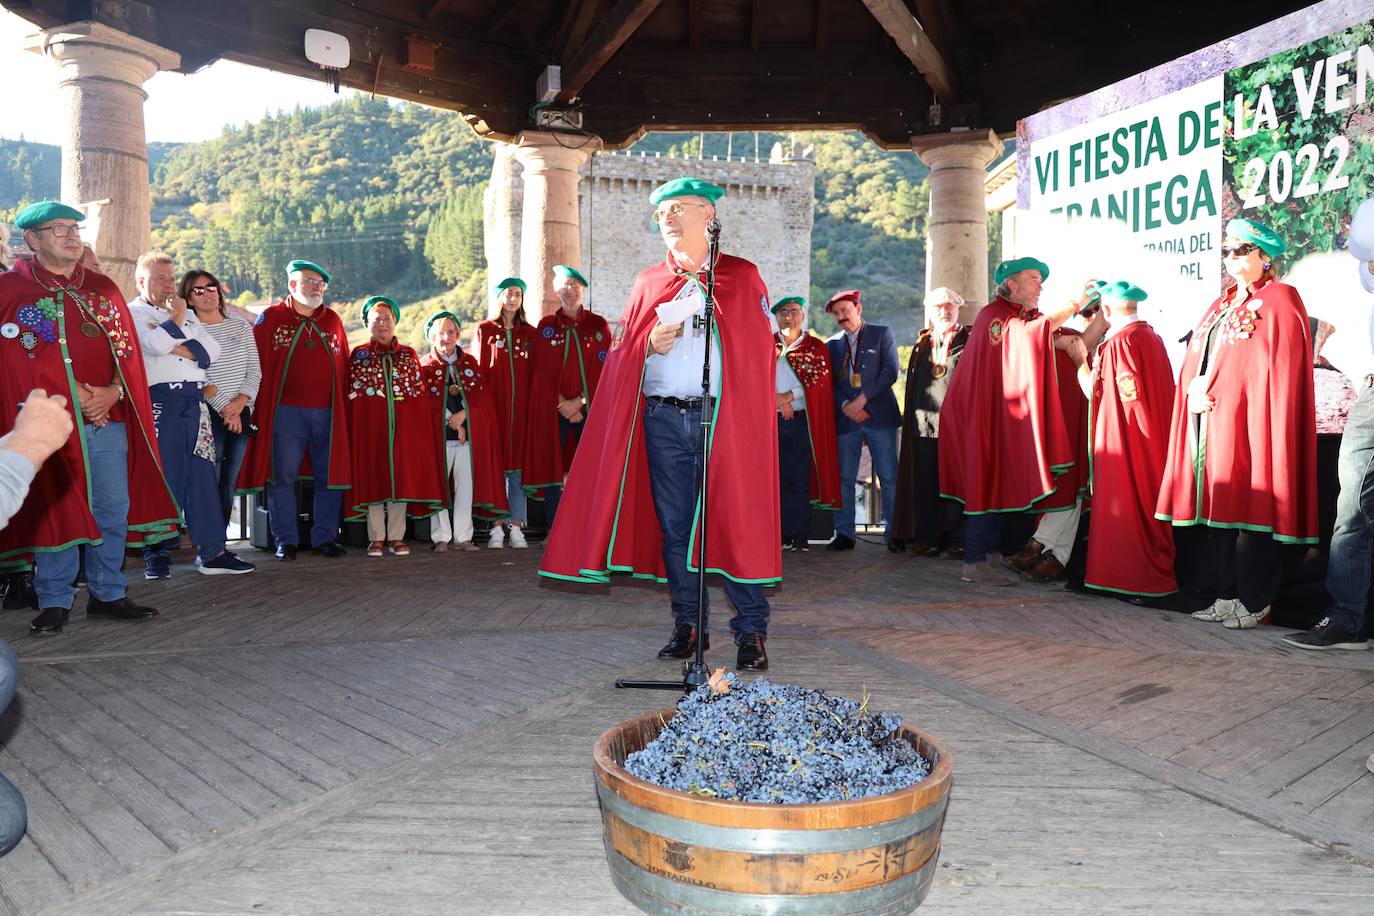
(615,29)
(821,29)
(913,42)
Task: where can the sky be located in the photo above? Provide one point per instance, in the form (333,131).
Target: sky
(179,107)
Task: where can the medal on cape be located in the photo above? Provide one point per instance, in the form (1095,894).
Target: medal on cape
(28,340)
(454,389)
(9,331)
(855,381)
(310,343)
(938,370)
(90,329)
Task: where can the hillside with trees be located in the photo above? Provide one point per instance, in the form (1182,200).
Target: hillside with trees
(390,196)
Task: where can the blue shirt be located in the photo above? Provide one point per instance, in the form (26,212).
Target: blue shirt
(677,374)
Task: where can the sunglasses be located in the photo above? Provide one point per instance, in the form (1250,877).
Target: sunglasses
(202,290)
(1239,251)
(672,210)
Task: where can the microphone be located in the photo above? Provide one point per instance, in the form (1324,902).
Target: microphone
(713,229)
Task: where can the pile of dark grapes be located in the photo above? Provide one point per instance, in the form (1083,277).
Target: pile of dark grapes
(780,743)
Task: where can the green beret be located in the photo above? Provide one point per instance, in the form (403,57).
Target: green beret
(1007,268)
(1123,290)
(384,300)
(1250,231)
(563,270)
(45,211)
(298,264)
(686,187)
(440,316)
(507,284)
(785,300)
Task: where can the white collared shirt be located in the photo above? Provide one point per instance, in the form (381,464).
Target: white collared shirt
(677,374)
(787,379)
(1117,326)
(158,335)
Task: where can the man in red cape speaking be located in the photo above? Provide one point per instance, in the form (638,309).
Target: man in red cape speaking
(635,482)
(1130,391)
(67,330)
(809,466)
(570,348)
(303,349)
(1003,445)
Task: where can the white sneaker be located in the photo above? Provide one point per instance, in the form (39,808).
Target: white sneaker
(517,538)
(497,538)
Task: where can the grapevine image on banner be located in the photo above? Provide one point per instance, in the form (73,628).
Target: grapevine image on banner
(1299,157)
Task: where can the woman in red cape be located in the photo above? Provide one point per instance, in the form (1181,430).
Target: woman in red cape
(810,361)
(391,434)
(1243,440)
(505,351)
(608,487)
(57,513)
(481,426)
(1131,394)
(569,354)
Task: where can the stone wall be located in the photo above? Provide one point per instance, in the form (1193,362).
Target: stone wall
(766,217)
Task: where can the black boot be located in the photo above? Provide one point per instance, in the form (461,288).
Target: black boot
(683,643)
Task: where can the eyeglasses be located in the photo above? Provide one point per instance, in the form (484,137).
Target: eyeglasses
(1239,251)
(202,290)
(674,210)
(61,230)
(790,312)
(314,284)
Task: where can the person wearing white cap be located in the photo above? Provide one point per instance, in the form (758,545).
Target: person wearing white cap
(920,518)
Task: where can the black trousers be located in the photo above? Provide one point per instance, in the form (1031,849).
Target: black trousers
(1249,566)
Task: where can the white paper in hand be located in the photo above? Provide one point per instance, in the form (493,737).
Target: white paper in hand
(687,304)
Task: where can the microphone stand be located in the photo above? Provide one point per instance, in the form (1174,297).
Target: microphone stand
(694,672)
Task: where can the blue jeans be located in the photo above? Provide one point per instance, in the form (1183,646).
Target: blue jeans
(107,451)
(515,495)
(176,416)
(882,446)
(554,495)
(295,430)
(14,818)
(229,451)
(672,439)
(1352,543)
(982,536)
(794,476)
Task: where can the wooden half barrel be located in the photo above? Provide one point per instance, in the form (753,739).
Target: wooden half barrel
(671,852)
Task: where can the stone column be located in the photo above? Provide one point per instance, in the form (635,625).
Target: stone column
(957,253)
(105,154)
(501,205)
(550,224)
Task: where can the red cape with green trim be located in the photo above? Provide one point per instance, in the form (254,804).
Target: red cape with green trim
(391,432)
(606,519)
(1129,550)
(1074,482)
(505,358)
(278,331)
(1248,463)
(568,359)
(810,361)
(1002,437)
(57,511)
(484,445)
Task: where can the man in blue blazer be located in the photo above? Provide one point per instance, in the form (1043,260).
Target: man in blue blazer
(863,362)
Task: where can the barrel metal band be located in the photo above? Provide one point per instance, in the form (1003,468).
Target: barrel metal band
(650,891)
(746,839)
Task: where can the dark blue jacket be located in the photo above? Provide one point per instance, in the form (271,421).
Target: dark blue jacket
(877,366)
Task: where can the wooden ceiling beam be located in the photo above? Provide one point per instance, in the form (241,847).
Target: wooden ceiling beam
(693,24)
(608,38)
(821,29)
(755,25)
(913,41)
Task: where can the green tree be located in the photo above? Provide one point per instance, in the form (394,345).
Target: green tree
(454,240)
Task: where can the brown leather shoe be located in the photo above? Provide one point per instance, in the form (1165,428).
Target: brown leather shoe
(1047,570)
(1027,559)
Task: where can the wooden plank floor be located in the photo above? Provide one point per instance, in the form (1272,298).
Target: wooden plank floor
(405,735)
